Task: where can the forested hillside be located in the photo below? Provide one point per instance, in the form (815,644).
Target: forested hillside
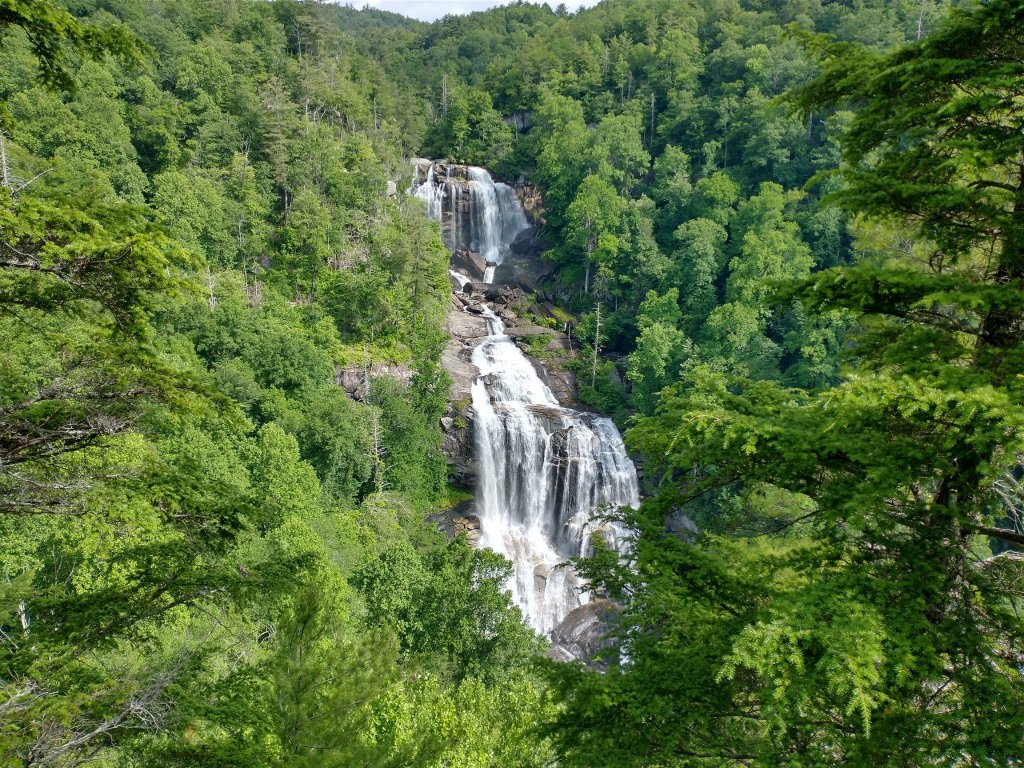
(211,554)
(675,181)
(788,235)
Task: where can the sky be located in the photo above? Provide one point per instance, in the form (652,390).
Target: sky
(429,10)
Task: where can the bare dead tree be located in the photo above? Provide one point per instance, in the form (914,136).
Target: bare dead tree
(72,743)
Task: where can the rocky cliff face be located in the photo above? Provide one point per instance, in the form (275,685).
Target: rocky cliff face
(465,331)
(584,633)
(356,380)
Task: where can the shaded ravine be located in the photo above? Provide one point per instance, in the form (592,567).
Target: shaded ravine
(544,472)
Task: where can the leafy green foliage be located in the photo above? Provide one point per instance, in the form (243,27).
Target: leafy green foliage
(52,31)
(188,258)
(860,617)
(214,556)
(666,161)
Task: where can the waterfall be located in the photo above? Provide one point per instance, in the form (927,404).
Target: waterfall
(431,193)
(476,213)
(460,278)
(545,472)
(495,216)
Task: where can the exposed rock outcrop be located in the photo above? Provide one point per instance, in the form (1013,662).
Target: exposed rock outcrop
(582,634)
(461,519)
(469,263)
(522,121)
(682,525)
(522,265)
(356,380)
(465,330)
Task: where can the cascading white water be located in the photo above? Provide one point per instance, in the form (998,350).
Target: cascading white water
(477,213)
(460,278)
(430,192)
(545,472)
(495,216)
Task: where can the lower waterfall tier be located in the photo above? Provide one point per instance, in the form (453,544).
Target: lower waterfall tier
(545,474)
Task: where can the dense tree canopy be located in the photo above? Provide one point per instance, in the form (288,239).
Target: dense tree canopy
(803,223)
(195,234)
(861,618)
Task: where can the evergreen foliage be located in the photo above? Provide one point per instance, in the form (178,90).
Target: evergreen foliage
(860,616)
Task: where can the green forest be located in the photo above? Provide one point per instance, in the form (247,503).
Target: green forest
(789,235)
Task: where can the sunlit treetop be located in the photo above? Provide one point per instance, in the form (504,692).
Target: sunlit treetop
(54,34)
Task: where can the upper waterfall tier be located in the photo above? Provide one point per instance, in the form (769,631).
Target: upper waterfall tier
(477,214)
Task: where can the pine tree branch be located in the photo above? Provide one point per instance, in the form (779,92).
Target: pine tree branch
(988,183)
(999,533)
